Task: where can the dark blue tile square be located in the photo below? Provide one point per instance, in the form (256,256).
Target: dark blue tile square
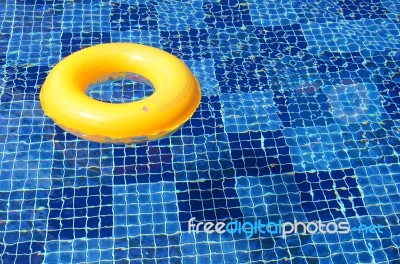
(22,83)
(23,252)
(143,164)
(390,92)
(53,7)
(272,158)
(276,41)
(209,200)
(4,39)
(125,17)
(323,203)
(362,9)
(191,44)
(341,67)
(71,218)
(371,145)
(241,74)
(307,106)
(72,42)
(226,14)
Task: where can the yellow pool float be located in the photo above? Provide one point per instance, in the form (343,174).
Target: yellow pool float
(176,94)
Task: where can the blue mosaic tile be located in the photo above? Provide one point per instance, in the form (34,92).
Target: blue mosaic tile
(43,2)
(385,62)
(287,40)
(72,42)
(124,90)
(281,103)
(91,168)
(298,244)
(143,164)
(23,83)
(380,179)
(4,39)
(362,9)
(304,106)
(390,93)
(215,147)
(207,200)
(235,42)
(93,17)
(385,248)
(190,44)
(329,62)
(329,195)
(35,53)
(231,13)
(179,15)
(331,36)
(7,24)
(205,74)
(370,144)
(289,72)
(250,111)
(244,75)
(24,164)
(269,252)
(150,37)
(61,136)
(59,251)
(317,11)
(43,9)
(391,5)
(81,178)
(207,119)
(70,218)
(355,103)
(260,153)
(206,156)
(22,209)
(26,33)
(21,179)
(141,209)
(211,250)
(317,148)
(162,246)
(343,78)
(22,252)
(260,195)
(272,13)
(389,237)
(125,17)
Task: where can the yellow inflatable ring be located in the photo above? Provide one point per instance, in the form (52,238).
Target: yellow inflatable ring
(176,94)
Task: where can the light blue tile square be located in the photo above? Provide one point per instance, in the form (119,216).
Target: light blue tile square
(146,37)
(250,111)
(355,103)
(143,209)
(205,74)
(26,49)
(79,17)
(272,13)
(351,36)
(311,148)
(391,5)
(177,15)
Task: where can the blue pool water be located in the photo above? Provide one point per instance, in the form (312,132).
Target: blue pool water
(299,120)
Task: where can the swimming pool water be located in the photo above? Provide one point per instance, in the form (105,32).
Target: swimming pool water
(299,120)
